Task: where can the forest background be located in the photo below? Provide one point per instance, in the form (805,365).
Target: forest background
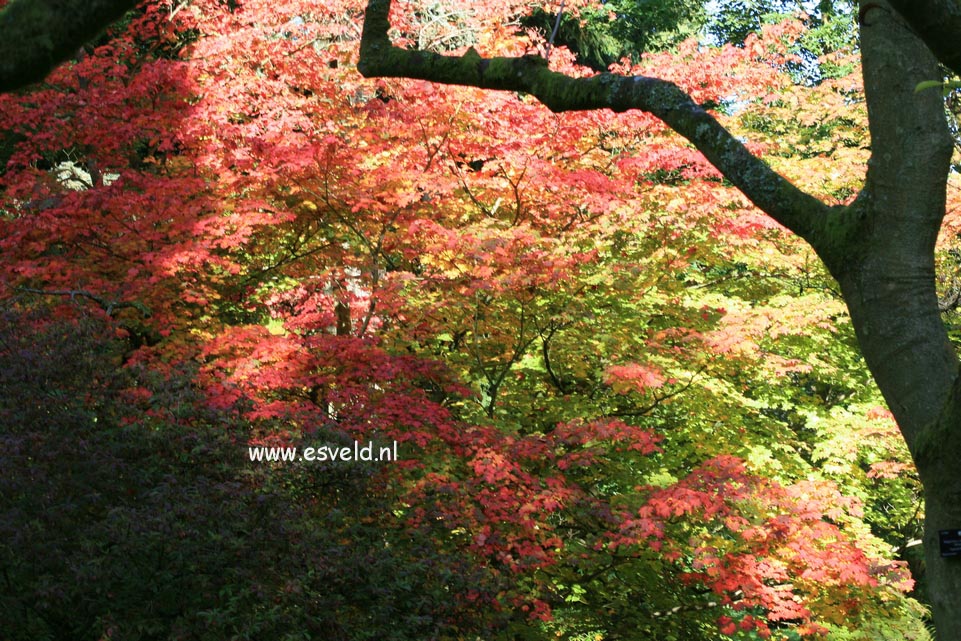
(628,405)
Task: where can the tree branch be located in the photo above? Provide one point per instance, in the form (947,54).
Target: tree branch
(937,23)
(644,411)
(800,212)
(950,302)
(108,306)
(37,35)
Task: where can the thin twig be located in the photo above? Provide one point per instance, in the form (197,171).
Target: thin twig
(177,9)
(557,25)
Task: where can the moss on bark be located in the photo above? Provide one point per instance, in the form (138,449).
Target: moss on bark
(38,35)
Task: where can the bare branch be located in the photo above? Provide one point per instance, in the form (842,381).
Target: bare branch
(950,302)
(802,213)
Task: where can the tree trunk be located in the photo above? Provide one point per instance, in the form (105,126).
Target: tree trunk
(887,276)
(941,476)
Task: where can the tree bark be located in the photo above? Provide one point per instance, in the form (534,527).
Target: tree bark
(38,35)
(937,459)
(888,281)
(886,270)
(937,21)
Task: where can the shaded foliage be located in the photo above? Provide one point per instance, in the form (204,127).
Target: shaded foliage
(129,511)
(603,35)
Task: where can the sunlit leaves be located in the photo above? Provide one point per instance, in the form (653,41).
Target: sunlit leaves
(619,391)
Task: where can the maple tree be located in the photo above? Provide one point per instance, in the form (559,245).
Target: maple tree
(576,331)
(879,247)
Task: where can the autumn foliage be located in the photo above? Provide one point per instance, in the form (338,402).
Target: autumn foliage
(627,403)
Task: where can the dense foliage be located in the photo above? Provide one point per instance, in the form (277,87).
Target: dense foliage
(626,403)
(132,515)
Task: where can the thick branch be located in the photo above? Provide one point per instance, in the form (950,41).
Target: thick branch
(37,35)
(936,22)
(771,192)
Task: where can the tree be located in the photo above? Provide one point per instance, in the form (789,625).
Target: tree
(880,247)
(517,298)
